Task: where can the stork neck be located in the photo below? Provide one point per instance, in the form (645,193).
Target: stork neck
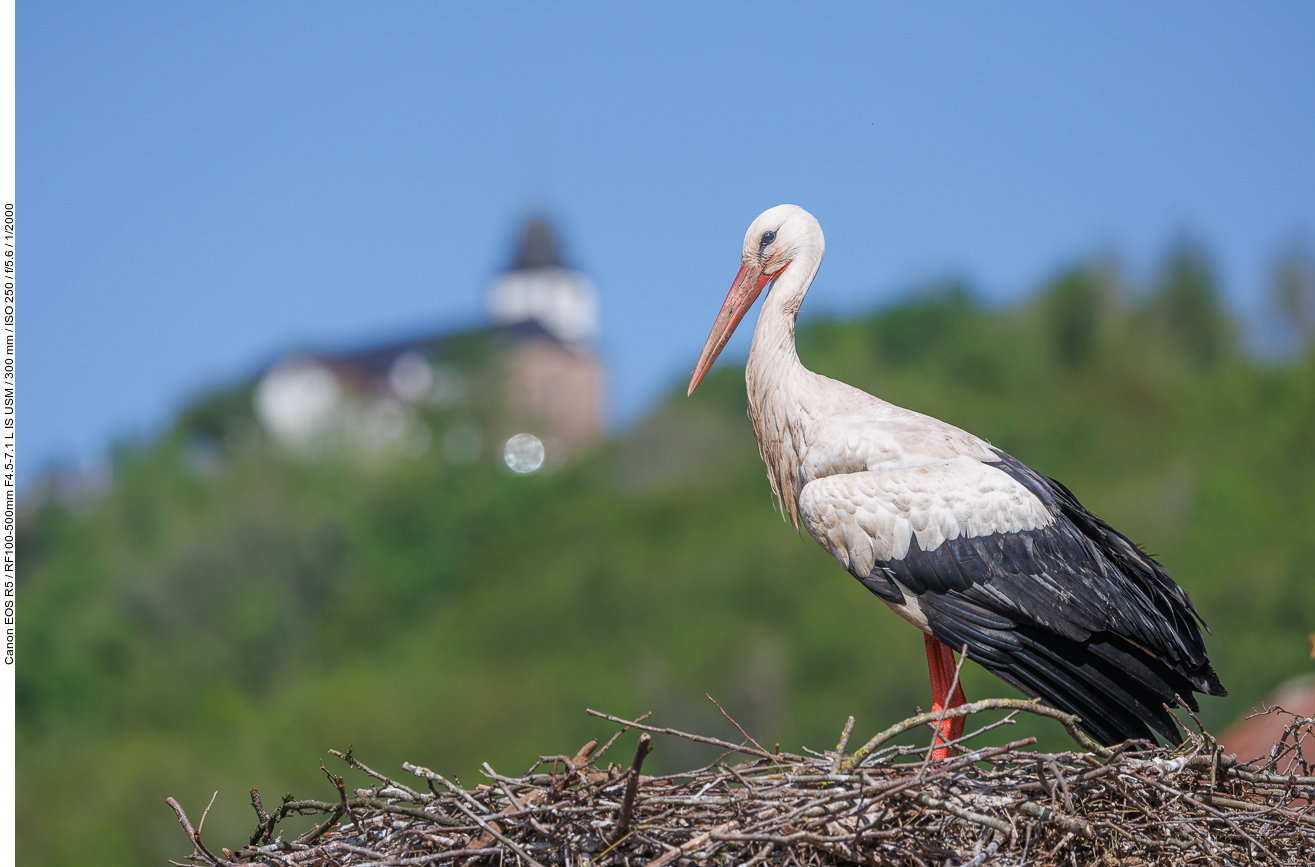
(775,378)
(773,351)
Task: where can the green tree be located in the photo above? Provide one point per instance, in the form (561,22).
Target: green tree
(1292,292)
(1186,311)
(1077,308)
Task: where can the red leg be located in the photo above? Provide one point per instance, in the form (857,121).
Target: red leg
(940,665)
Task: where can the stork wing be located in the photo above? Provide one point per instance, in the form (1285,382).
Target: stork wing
(1046,595)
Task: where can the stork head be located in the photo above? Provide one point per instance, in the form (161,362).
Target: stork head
(773,241)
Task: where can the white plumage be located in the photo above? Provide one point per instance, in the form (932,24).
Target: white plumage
(958,538)
(863,476)
(875,514)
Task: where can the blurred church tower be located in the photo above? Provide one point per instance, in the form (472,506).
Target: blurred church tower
(539,287)
(555,378)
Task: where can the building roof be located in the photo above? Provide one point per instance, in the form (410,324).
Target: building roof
(537,247)
(373,362)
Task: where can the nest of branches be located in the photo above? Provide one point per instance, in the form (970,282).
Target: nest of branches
(1136,804)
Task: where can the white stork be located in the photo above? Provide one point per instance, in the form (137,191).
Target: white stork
(960,539)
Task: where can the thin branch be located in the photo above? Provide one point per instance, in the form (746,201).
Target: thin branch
(401,787)
(642,749)
(1033,706)
(201,824)
(716,742)
(262,819)
(625,728)
(194,837)
(844,742)
(747,736)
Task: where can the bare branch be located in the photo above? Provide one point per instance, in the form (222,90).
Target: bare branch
(986,807)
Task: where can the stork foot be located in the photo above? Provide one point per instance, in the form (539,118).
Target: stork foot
(940,665)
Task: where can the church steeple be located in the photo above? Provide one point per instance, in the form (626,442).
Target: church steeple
(540,288)
(537,247)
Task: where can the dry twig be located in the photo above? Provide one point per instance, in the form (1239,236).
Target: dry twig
(1004,805)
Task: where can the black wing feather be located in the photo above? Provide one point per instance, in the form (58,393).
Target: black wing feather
(1073,613)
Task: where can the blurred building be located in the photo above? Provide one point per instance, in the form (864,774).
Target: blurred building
(532,369)
(1256,733)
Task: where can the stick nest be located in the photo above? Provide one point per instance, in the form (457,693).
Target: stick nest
(1009,805)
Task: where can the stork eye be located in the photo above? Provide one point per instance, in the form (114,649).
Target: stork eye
(768,237)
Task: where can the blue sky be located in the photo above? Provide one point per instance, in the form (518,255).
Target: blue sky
(205,185)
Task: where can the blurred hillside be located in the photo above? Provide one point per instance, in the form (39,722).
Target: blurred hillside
(226,611)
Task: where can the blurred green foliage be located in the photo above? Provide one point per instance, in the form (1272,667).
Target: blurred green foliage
(224,612)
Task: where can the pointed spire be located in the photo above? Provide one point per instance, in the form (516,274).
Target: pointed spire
(537,248)
(541,288)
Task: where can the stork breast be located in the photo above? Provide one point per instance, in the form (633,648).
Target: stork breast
(875,515)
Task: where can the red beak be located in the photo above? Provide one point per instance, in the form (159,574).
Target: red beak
(744,291)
